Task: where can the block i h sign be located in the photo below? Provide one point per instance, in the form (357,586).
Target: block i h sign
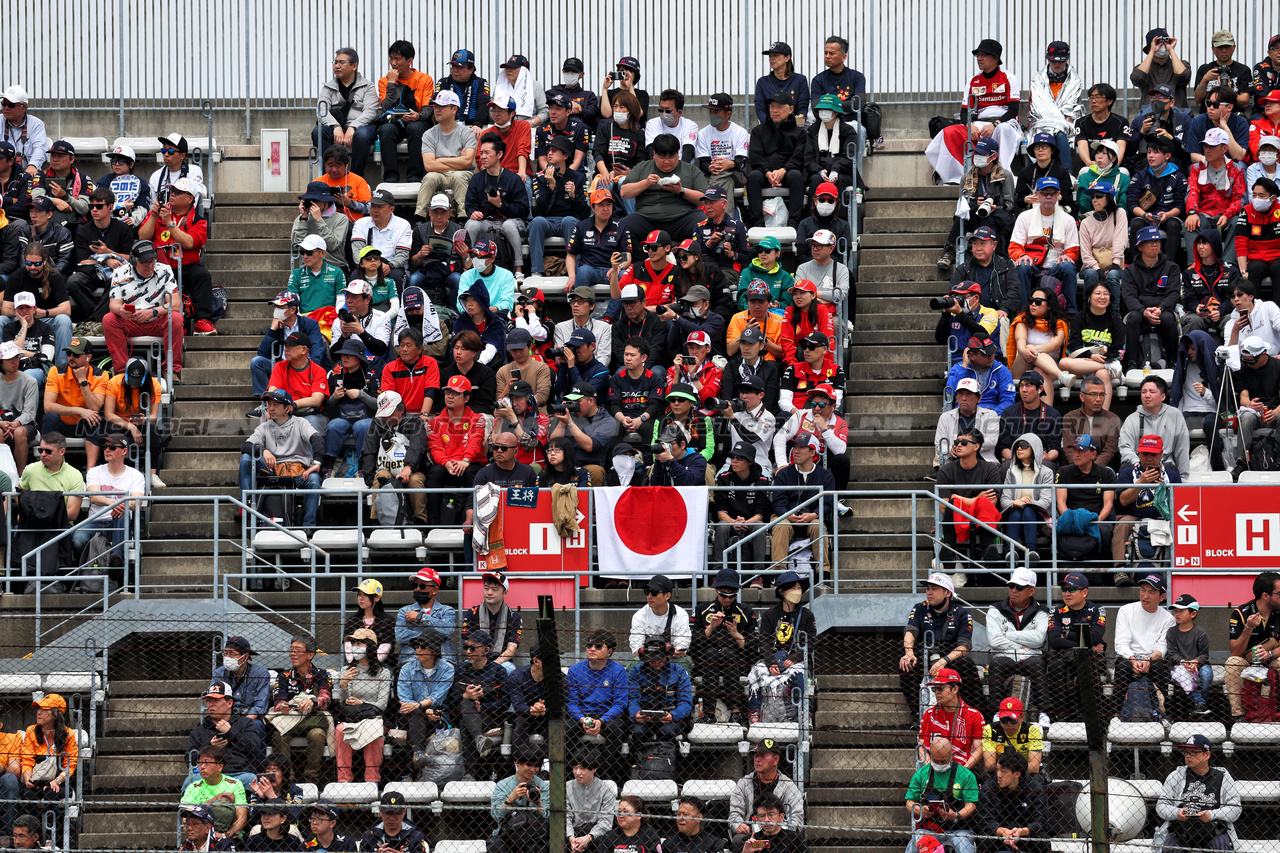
(1258,534)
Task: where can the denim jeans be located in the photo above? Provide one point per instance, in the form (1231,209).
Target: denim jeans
(433,284)
(1112,278)
(361,144)
(1021,523)
(311,482)
(8,802)
(340,429)
(115,528)
(542,227)
(1064,271)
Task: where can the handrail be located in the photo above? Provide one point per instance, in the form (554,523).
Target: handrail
(206,109)
(315,157)
(971,109)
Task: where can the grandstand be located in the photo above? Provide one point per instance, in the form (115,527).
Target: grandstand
(206,562)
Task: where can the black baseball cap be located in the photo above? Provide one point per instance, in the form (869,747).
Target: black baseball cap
(781,98)
(777,47)
(392,800)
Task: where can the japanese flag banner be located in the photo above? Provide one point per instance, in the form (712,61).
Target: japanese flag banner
(649,530)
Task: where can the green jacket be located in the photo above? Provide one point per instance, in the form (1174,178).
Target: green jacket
(778,279)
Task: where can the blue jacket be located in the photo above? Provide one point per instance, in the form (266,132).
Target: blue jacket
(1169,188)
(600,694)
(415,685)
(1194,140)
(688,470)
(443,620)
(492,677)
(786,500)
(308,327)
(495,329)
(525,691)
(251,688)
(999,391)
(671,683)
(797,85)
(513,197)
(593,371)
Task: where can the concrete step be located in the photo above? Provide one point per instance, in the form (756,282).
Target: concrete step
(936,224)
(254,213)
(895,289)
(222,374)
(921,255)
(873,338)
(911,208)
(885,564)
(137,744)
(246,261)
(922,387)
(146,716)
(874,315)
(921,272)
(142,772)
(908,239)
(885,194)
(220,342)
(862,711)
(861,821)
(247,326)
(255,199)
(152,687)
(887,436)
(253,293)
(906,368)
(224,443)
(227,232)
(199,476)
(219,359)
(905,307)
(897,405)
(176,461)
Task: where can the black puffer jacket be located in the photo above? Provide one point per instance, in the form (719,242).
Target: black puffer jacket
(772,145)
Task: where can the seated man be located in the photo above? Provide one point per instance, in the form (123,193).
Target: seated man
(1253,630)
(285,447)
(590,803)
(73,399)
(529,699)
(426,617)
(751,361)
(942,803)
(179,232)
(678,464)
(104,236)
(962,482)
(666,191)
(286,321)
(802,479)
(764,780)
(213,788)
(456,443)
(1077,620)
(1157,417)
(636,392)
(660,618)
(525,789)
(37,341)
(1093,420)
(1142,629)
(110,482)
(1158,194)
(53,474)
(394,832)
(448,155)
(1208,206)
(742,506)
(423,690)
(305,380)
(966,317)
(1046,242)
(395,447)
(493,616)
(818,417)
(1031,414)
(749,421)
(690,837)
(770,154)
(1011,732)
(967,414)
(1013,807)
(197,831)
(144,301)
(237,737)
(480,695)
(720,150)
(816,367)
(596,239)
(771,815)
(988,199)
(559,200)
(404,93)
(316,282)
(1098,501)
(1016,629)
(497,205)
(1151,285)
(1138,502)
(176,165)
(1199,804)
(950,626)
(661,703)
(522,365)
(391,235)
(521,418)
(588,424)
(250,683)
(363,324)
(996,387)
(439,254)
(305,691)
(777,335)
(596,694)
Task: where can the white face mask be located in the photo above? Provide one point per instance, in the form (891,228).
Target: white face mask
(1267,158)
(792,596)
(505,126)
(940,768)
(357,652)
(278,313)
(232,664)
(981,160)
(621,116)
(1262,205)
(1162,52)
(669,119)
(825,208)
(569,79)
(825,116)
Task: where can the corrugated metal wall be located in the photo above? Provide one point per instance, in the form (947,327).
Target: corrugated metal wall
(276,53)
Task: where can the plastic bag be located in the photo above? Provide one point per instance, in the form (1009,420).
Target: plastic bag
(444,758)
(776,214)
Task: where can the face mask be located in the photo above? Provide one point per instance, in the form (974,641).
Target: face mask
(569,79)
(792,596)
(1267,158)
(621,116)
(1057,78)
(1162,52)
(826,115)
(1100,215)
(358,652)
(232,664)
(1262,205)
(278,314)
(825,208)
(422,596)
(981,160)
(940,768)
(505,126)
(669,119)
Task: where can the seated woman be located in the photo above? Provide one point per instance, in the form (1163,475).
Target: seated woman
(50,753)
(1105,169)
(1037,337)
(1044,165)
(1025,509)
(808,314)
(132,402)
(1095,344)
(274,784)
(1104,235)
(361,698)
(562,465)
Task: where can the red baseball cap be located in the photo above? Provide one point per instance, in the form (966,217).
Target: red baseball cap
(1010,709)
(945,676)
(458,383)
(967,287)
(428,575)
(929,844)
(1151,444)
(701,339)
(805,285)
(826,188)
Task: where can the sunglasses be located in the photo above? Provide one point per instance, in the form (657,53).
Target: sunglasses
(504,447)
(8,105)
(46,451)
(1066,590)
(813,346)
(102,206)
(820,404)
(168,151)
(682,256)
(1039,300)
(595,645)
(310,252)
(666,112)
(764,251)
(654,247)
(121,161)
(963,442)
(1019,587)
(425,586)
(827,199)
(33,263)
(728,593)
(474,648)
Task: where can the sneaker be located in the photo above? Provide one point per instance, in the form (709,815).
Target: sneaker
(1201,710)
(946,258)
(959,579)
(1044,723)
(1033,557)
(1238,718)
(156,482)
(1065,379)
(842,510)
(1124,579)
(204,327)
(519,277)
(756,582)
(753,717)
(254,413)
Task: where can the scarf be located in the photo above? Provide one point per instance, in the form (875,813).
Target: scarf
(829,140)
(1217,177)
(499,633)
(521,90)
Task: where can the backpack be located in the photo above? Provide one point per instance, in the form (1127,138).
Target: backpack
(348,464)
(276,505)
(388,504)
(937,124)
(525,832)
(1264,453)
(657,761)
(1259,699)
(1139,702)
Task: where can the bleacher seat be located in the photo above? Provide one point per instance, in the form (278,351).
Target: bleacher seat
(1118,389)
(1148,788)
(277,541)
(457,793)
(352,793)
(1260,791)
(88,146)
(401,148)
(395,539)
(310,792)
(150,145)
(337,539)
(401,192)
(1208,477)
(1261,478)
(19,682)
(653,791)
(786,235)
(422,794)
(460,847)
(709,790)
(1255,734)
(781,732)
(1126,734)
(1133,377)
(342,484)
(1258,845)
(715,734)
(1180,731)
(1071,735)
(445,539)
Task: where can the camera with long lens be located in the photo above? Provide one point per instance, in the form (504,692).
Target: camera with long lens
(943,303)
(570,406)
(655,449)
(346,316)
(985,208)
(716,404)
